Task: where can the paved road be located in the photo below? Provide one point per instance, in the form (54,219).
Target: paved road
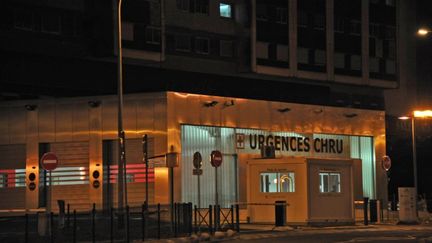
(373,234)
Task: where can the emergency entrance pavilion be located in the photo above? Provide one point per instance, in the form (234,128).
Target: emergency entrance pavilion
(325,159)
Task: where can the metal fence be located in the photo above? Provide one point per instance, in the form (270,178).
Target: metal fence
(133,223)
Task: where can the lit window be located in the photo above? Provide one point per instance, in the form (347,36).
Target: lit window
(329,182)
(272,182)
(202,45)
(225,10)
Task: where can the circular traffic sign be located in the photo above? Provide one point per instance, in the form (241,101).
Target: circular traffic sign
(49,161)
(197,160)
(386,163)
(216,158)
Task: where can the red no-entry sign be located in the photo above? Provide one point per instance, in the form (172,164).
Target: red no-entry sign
(49,161)
(216,158)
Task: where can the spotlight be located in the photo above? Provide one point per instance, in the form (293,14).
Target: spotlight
(350,115)
(30,107)
(210,103)
(229,103)
(94,103)
(317,111)
(283,110)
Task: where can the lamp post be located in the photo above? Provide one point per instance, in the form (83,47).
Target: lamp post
(121,183)
(416,114)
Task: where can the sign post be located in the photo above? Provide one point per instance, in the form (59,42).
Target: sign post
(197,163)
(216,161)
(49,162)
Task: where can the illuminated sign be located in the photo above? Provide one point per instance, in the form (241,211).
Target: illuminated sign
(294,144)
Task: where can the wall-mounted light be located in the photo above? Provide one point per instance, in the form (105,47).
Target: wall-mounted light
(30,107)
(318,111)
(210,103)
(229,103)
(350,115)
(94,103)
(283,110)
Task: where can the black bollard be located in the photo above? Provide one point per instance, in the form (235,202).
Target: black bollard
(237,218)
(143,208)
(94,223)
(158,219)
(365,210)
(112,225)
(68,216)
(127,224)
(195,219)
(189,217)
(175,219)
(52,227)
(232,216)
(26,229)
(210,219)
(74,227)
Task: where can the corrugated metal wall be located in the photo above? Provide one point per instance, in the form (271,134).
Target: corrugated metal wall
(204,140)
(12,176)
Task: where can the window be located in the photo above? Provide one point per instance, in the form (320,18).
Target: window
(281,15)
(23,20)
(127,31)
(261,12)
(225,10)
(262,50)
(51,23)
(272,182)
(302,19)
(339,25)
(202,45)
(319,21)
(200,6)
(152,35)
(329,182)
(183,5)
(355,27)
(182,43)
(226,48)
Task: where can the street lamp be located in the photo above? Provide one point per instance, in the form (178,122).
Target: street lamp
(416,114)
(121,183)
(423,31)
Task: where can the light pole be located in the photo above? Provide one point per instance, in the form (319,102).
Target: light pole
(415,114)
(121,183)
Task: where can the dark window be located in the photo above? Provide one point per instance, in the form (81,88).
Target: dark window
(319,21)
(51,23)
(226,48)
(202,45)
(23,19)
(183,43)
(199,6)
(282,15)
(153,35)
(183,5)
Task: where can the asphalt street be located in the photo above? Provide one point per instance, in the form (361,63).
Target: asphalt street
(375,233)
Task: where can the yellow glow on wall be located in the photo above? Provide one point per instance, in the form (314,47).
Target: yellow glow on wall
(423,114)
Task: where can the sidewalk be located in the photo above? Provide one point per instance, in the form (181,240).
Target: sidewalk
(257,231)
